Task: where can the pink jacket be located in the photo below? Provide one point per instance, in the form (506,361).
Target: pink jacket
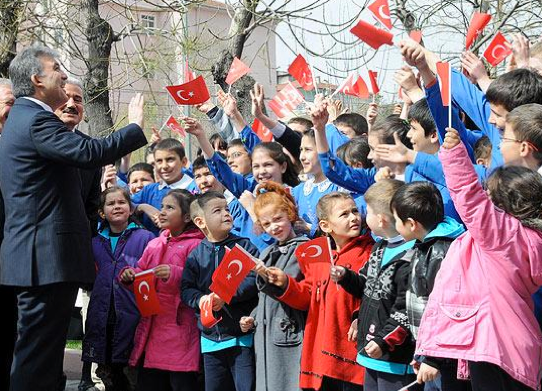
(170,340)
(481,307)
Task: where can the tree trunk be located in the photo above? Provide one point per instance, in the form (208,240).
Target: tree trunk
(100,37)
(11,12)
(238,35)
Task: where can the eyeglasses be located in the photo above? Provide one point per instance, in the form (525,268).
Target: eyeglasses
(235,155)
(533,147)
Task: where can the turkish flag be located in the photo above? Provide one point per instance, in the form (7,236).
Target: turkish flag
(289,96)
(347,86)
(278,108)
(231,272)
(498,50)
(314,251)
(188,74)
(145,293)
(374,82)
(416,35)
(381,11)
(300,70)
(263,133)
(444,74)
(175,126)
(477,24)
(360,89)
(192,93)
(371,35)
(237,70)
(207,317)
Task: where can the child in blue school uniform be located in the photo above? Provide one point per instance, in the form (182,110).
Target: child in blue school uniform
(389,131)
(206,181)
(269,163)
(169,160)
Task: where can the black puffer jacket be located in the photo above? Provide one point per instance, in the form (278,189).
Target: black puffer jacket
(425,259)
(382,316)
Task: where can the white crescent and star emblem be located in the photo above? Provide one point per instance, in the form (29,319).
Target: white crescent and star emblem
(502,48)
(180,95)
(239,265)
(382,13)
(316,254)
(144,284)
(305,80)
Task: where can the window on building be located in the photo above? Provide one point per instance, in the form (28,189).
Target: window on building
(148,21)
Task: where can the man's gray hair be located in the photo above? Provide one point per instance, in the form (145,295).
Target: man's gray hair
(26,64)
(5,82)
(75,82)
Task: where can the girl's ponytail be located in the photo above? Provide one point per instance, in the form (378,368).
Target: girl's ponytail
(518,191)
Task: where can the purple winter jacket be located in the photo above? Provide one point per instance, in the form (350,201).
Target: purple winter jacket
(129,248)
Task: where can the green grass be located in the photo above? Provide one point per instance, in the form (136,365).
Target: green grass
(74,344)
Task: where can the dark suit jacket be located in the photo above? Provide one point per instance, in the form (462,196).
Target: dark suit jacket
(46,233)
(90,191)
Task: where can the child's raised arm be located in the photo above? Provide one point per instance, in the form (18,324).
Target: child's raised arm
(356,180)
(232,181)
(474,206)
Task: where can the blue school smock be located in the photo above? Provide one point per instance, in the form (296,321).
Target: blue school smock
(358,180)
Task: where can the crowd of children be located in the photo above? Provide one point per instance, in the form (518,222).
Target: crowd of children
(435,233)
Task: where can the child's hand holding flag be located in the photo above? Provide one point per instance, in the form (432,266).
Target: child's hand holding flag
(451,139)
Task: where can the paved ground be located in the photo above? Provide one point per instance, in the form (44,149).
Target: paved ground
(72,368)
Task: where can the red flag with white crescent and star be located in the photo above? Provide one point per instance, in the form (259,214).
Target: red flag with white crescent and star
(301,71)
(314,251)
(263,133)
(207,317)
(231,272)
(476,26)
(145,293)
(175,126)
(192,93)
(289,96)
(381,11)
(278,108)
(498,50)
(237,70)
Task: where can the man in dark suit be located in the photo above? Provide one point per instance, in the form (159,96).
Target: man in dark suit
(72,113)
(46,252)
(8,303)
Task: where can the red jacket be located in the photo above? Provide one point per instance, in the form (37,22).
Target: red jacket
(326,350)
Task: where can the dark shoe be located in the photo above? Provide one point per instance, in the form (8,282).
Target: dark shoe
(85,385)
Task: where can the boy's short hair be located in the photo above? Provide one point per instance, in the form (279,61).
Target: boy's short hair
(140,167)
(421,113)
(307,123)
(482,148)
(198,163)
(356,121)
(516,88)
(419,201)
(197,207)
(380,194)
(388,126)
(236,143)
(172,145)
(526,123)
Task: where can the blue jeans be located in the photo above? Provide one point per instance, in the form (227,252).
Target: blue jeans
(231,369)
